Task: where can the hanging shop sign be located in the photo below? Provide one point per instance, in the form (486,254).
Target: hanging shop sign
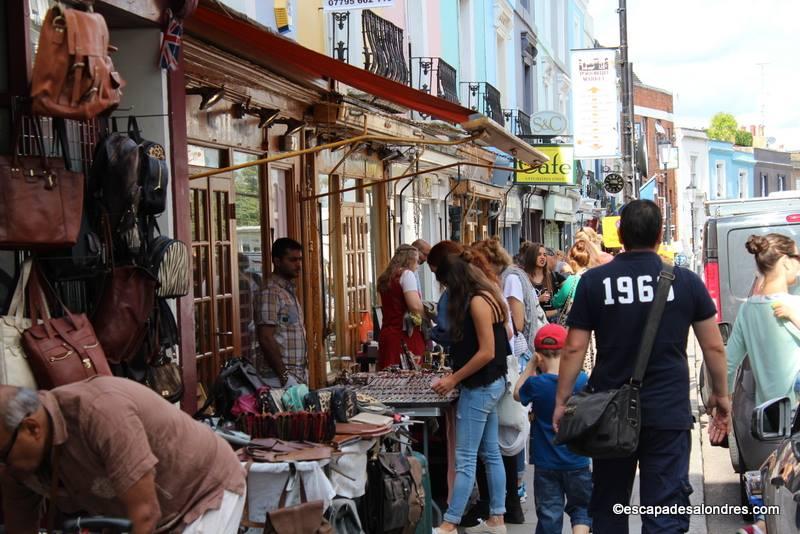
(610,234)
(595,103)
(557,170)
(349,5)
(614,183)
(548,123)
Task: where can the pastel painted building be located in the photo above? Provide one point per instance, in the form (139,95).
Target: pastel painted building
(731,171)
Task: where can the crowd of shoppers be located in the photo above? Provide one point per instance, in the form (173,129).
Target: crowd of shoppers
(602,297)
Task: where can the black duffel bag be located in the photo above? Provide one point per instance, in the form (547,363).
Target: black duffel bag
(606,424)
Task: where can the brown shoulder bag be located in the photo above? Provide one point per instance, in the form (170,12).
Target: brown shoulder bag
(60,350)
(73,76)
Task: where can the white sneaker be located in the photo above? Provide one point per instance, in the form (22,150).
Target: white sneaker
(484,528)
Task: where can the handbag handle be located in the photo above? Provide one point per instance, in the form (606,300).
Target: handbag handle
(38,137)
(17,307)
(651,326)
(293,473)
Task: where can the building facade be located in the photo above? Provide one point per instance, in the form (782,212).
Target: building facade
(730,172)
(773,172)
(692,189)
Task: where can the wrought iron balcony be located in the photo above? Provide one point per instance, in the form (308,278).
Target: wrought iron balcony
(434,76)
(340,30)
(517,121)
(383,48)
(484,98)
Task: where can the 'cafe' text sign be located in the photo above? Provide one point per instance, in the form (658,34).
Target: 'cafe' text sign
(558,170)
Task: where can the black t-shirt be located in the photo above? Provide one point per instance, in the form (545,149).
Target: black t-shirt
(558,279)
(613,300)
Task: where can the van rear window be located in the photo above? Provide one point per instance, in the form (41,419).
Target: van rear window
(741,264)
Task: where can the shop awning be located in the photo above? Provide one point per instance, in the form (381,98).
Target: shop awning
(255,43)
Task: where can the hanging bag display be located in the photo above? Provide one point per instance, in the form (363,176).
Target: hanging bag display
(73,76)
(153,171)
(60,350)
(164,375)
(606,424)
(41,201)
(169,261)
(14,367)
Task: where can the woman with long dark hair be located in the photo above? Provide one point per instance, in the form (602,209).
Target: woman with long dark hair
(479,346)
(400,302)
(545,282)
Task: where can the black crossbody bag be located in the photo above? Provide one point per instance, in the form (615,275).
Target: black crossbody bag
(606,424)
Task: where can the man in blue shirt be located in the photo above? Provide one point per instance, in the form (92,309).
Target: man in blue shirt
(559,473)
(613,301)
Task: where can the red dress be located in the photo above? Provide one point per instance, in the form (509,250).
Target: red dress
(393,305)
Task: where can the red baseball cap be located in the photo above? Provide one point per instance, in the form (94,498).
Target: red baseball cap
(550,336)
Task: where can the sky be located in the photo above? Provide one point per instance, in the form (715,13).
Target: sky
(707,52)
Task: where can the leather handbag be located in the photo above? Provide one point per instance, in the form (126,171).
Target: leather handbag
(165,378)
(304,518)
(238,377)
(606,424)
(120,318)
(73,76)
(344,403)
(41,201)
(14,368)
(60,350)
(389,489)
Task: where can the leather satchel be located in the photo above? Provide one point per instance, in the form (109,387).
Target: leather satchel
(165,378)
(73,76)
(60,350)
(304,518)
(41,201)
(120,319)
(606,424)
(14,368)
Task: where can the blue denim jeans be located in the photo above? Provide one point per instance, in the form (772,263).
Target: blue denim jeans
(550,487)
(476,433)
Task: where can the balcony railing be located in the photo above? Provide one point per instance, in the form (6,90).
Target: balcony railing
(517,121)
(434,76)
(340,30)
(484,98)
(383,48)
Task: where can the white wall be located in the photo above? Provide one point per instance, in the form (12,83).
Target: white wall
(692,143)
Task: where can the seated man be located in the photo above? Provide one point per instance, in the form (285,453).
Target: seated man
(113,447)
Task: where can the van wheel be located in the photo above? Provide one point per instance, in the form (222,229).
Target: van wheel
(748,517)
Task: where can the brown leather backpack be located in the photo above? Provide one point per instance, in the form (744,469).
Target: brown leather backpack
(73,76)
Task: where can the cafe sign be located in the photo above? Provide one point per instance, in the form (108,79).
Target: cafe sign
(558,170)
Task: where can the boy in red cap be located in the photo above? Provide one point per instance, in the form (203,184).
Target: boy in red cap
(559,473)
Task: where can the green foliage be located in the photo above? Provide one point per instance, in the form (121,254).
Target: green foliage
(248,211)
(744,138)
(723,127)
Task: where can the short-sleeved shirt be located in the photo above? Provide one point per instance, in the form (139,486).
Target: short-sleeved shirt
(280,308)
(540,392)
(409,281)
(108,433)
(613,300)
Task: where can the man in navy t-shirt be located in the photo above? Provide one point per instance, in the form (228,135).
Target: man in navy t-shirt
(613,300)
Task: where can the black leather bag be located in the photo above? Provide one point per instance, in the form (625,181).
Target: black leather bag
(389,488)
(344,404)
(606,424)
(153,171)
(238,377)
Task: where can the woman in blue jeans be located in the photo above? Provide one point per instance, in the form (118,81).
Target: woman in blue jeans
(479,346)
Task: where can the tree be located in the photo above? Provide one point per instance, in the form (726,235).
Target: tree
(744,138)
(723,127)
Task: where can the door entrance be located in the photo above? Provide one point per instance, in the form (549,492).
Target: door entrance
(217,332)
(355,234)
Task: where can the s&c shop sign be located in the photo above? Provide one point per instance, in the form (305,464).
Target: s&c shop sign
(548,123)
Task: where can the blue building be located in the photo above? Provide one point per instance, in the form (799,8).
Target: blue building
(730,172)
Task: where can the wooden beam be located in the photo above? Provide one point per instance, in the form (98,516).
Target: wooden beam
(336,222)
(183,230)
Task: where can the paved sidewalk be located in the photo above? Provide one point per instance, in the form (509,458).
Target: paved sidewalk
(698,523)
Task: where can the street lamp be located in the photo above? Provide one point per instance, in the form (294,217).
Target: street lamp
(691,189)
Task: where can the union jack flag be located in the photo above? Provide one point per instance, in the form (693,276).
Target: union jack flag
(171,44)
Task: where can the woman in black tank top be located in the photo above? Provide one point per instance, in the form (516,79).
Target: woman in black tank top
(479,349)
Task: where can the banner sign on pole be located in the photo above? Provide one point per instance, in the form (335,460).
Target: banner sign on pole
(557,171)
(595,103)
(610,235)
(349,5)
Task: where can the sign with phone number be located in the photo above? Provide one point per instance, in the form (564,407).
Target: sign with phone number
(347,5)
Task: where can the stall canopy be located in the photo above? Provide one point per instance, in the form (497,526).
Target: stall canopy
(300,64)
